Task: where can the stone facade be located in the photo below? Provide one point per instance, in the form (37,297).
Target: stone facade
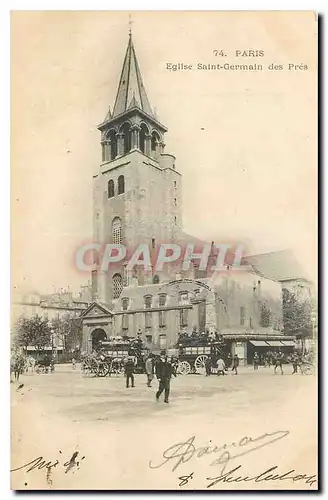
(231,305)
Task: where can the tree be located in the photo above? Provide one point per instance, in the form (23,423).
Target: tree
(297,314)
(23,333)
(69,330)
(74,338)
(33,331)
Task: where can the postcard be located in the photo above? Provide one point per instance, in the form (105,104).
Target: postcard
(164,250)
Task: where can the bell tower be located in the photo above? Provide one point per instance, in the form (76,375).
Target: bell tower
(136,189)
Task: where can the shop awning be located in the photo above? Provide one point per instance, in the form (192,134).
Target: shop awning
(289,343)
(259,343)
(275,343)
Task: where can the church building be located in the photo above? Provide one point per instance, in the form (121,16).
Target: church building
(137,200)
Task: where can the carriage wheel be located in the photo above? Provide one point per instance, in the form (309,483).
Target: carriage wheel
(184,368)
(88,369)
(200,364)
(102,370)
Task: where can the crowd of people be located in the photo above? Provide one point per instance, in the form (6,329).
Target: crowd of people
(278,358)
(205,337)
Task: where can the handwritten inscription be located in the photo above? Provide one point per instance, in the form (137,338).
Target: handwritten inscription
(185,479)
(271,474)
(40,463)
(36,463)
(183,452)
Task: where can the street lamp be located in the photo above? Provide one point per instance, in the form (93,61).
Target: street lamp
(52,343)
(52,340)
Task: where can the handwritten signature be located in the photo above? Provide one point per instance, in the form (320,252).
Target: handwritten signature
(40,463)
(181,453)
(270,474)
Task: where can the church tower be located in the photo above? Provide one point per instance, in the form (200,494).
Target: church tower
(137,189)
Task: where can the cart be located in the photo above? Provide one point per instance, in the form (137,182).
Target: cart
(193,353)
(112,355)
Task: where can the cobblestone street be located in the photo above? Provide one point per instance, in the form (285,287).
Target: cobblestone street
(109,425)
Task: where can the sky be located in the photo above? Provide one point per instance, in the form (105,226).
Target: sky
(245,142)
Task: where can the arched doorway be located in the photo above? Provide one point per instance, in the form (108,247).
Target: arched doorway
(97,336)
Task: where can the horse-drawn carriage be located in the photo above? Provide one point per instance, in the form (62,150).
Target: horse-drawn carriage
(44,364)
(194,351)
(112,355)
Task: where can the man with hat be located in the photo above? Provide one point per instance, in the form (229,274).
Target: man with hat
(129,368)
(164,372)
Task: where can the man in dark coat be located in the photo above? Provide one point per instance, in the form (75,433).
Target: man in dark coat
(129,371)
(295,361)
(164,372)
(208,366)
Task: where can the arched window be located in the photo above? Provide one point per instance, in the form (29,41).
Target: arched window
(113,145)
(142,137)
(110,188)
(117,286)
(154,140)
(156,279)
(117,231)
(148,300)
(121,187)
(162,300)
(126,137)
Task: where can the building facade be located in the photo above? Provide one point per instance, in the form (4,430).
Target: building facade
(137,199)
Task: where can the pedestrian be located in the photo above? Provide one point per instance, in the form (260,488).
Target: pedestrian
(164,372)
(278,363)
(208,366)
(74,363)
(221,367)
(149,365)
(295,362)
(129,371)
(256,361)
(235,364)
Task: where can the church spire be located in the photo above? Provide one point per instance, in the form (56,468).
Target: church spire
(131,91)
